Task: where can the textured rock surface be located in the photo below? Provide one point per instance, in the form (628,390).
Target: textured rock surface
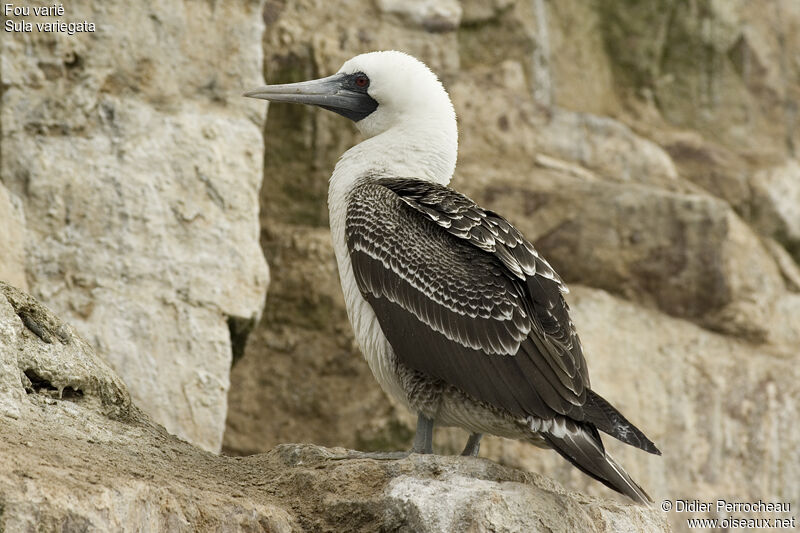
(647,148)
(78,455)
(43,355)
(650,148)
(776,207)
(12,240)
(727,69)
(138,166)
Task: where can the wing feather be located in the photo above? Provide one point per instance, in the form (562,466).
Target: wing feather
(462,296)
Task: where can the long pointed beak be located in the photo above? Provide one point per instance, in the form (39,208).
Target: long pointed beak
(335,93)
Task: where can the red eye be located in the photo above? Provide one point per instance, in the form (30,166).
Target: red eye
(362,81)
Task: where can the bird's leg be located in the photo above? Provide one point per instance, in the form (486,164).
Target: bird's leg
(473,445)
(423,440)
(423,443)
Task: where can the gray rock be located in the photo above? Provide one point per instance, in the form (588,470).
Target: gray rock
(456,501)
(138,164)
(727,70)
(776,204)
(437,16)
(12,240)
(77,455)
(42,355)
(606,146)
(481,11)
(512,124)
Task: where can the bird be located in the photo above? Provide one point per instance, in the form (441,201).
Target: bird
(458,316)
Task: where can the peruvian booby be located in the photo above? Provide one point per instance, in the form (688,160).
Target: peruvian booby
(458,316)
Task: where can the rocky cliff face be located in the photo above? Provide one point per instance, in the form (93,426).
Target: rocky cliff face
(649,151)
(12,239)
(137,168)
(77,455)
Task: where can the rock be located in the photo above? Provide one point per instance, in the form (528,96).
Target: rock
(69,427)
(784,335)
(776,204)
(605,146)
(789,269)
(138,164)
(312,38)
(627,148)
(42,355)
(440,493)
(12,240)
(718,170)
(513,125)
(725,69)
(481,11)
(435,16)
(72,429)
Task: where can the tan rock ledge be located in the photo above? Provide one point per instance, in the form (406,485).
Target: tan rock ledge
(78,456)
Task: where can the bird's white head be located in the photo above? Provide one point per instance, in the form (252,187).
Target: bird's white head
(391,96)
(404,89)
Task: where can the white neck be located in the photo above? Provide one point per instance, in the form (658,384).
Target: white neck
(415,149)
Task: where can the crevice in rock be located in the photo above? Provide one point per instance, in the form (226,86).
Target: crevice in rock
(37,321)
(240,328)
(37,329)
(40,385)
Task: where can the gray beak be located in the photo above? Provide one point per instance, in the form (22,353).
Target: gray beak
(337,93)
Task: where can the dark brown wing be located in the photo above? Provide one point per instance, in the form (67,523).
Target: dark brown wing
(462,296)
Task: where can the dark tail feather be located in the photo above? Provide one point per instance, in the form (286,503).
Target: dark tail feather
(606,418)
(581,446)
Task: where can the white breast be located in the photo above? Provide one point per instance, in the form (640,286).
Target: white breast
(369,335)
